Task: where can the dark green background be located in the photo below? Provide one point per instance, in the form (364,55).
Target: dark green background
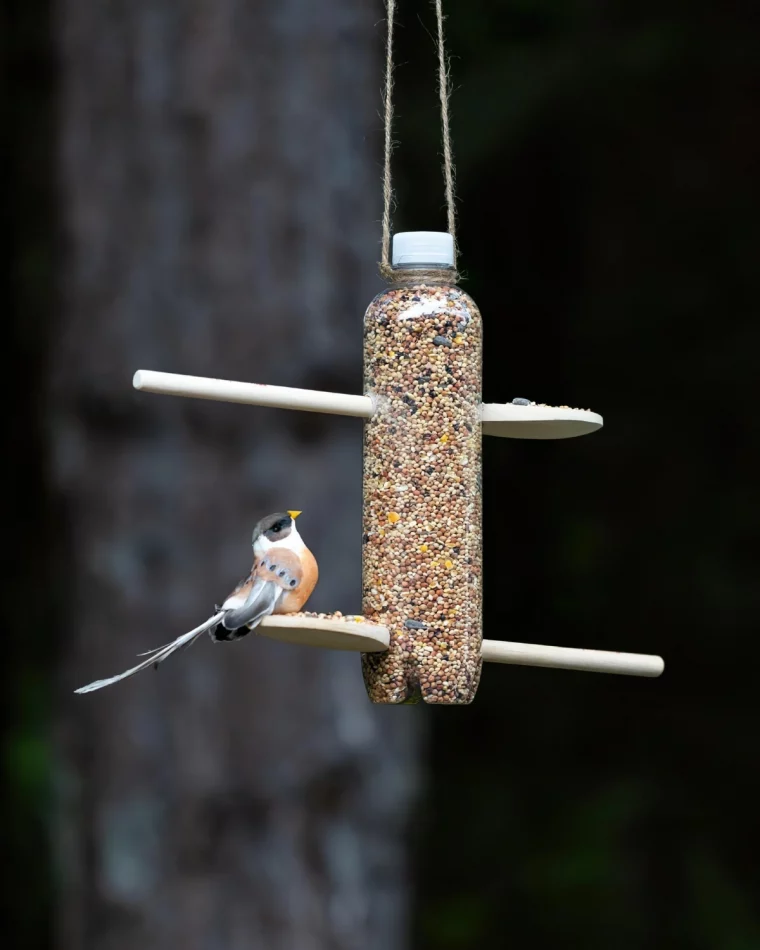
(607,166)
(607,161)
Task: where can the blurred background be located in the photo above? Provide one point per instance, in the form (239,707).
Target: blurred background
(194,187)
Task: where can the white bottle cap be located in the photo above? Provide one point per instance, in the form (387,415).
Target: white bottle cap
(435,248)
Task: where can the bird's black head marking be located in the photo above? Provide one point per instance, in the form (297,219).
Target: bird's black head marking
(274,527)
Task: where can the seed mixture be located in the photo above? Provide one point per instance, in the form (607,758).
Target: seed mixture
(422,541)
(519,401)
(335,615)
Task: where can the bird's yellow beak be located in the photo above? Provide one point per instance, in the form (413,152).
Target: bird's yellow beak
(294,514)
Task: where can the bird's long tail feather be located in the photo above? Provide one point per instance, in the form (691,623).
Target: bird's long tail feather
(156,656)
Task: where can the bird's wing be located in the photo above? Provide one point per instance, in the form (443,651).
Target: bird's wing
(247,605)
(272,575)
(282,567)
(157,656)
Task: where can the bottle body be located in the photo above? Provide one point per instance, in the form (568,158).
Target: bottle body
(422,524)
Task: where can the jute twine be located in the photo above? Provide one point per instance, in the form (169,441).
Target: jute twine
(386,269)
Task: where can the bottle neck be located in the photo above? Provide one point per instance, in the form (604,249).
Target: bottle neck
(422,273)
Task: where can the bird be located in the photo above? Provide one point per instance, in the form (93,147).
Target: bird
(281,580)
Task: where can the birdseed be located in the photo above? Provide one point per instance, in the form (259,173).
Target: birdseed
(422,541)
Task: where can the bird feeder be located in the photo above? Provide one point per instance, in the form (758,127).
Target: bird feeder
(420,634)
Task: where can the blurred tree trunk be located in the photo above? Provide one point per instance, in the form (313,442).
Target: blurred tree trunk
(219,218)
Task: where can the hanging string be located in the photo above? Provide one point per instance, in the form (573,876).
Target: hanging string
(448,160)
(385,264)
(443,92)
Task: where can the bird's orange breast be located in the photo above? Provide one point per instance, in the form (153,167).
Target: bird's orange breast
(294,600)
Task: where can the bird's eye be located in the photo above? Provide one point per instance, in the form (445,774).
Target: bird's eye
(275,528)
